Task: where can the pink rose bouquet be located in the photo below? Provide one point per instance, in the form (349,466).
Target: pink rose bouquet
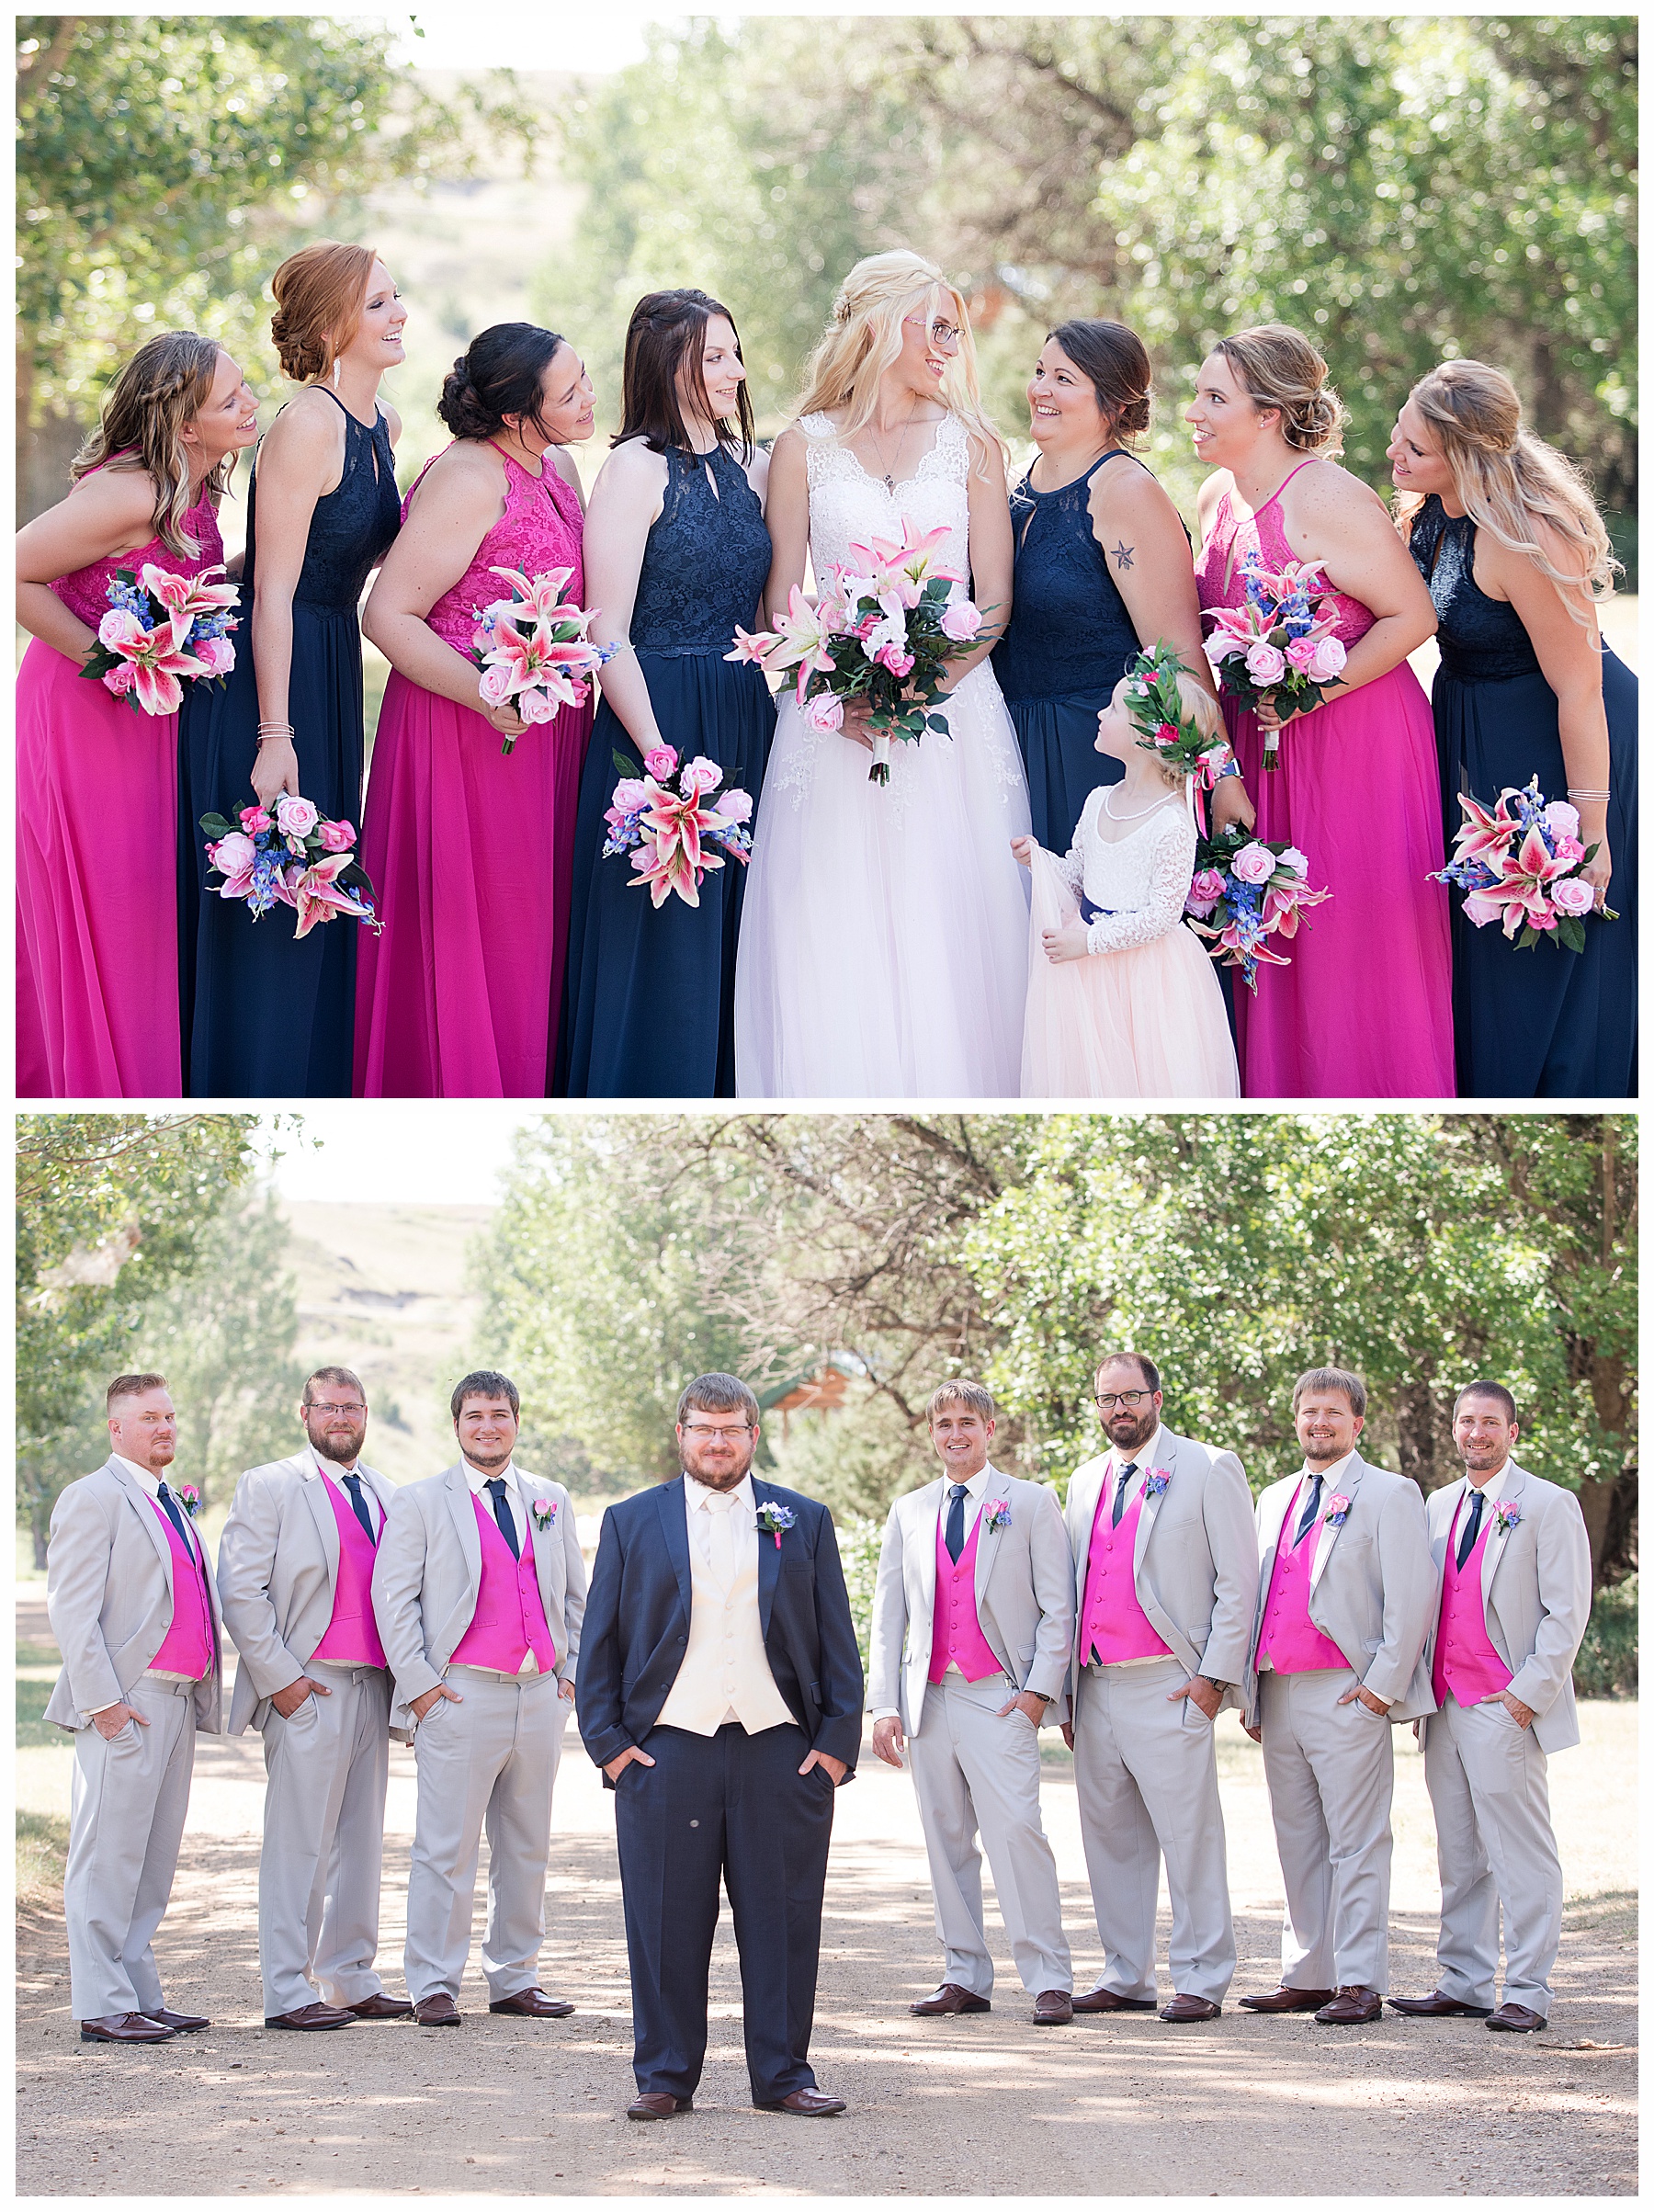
(1245,893)
(533,650)
(1279,644)
(667,819)
(160,632)
(1518,865)
(291,856)
(883,630)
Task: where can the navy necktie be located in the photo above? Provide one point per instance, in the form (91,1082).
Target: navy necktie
(1308,1518)
(953,1537)
(503,1514)
(1119,1504)
(1468,1541)
(169,1505)
(353,1483)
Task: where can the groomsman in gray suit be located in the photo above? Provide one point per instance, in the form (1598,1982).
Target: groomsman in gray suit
(1345,1595)
(1165,1584)
(972,1617)
(1513,1564)
(478,1591)
(295,1575)
(130,1596)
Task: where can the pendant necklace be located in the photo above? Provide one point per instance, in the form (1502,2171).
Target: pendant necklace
(888,479)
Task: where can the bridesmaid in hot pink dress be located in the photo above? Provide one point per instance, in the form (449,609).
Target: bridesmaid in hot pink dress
(472,852)
(1366,1009)
(98,917)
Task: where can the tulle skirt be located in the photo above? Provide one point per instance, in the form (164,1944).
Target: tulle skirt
(1147,1022)
(882,952)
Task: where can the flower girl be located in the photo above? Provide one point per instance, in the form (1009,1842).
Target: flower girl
(1123,1002)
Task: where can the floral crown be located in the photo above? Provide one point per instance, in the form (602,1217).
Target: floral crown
(1155,704)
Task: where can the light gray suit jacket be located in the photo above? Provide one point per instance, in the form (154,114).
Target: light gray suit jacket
(429,1571)
(1372,1588)
(278,1566)
(110,1598)
(1536,1580)
(1024,1595)
(1194,1561)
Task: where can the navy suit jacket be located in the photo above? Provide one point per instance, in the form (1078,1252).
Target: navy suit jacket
(636,1628)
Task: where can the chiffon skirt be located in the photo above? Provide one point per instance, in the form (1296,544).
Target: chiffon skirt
(1147,1022)
(1366,1008)
(1547,1023)
(469,851)
(97,918)
(883,953)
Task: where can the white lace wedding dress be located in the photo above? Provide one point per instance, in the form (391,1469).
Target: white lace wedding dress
(884,930)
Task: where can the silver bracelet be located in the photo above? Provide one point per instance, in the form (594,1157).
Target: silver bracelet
(1573,794)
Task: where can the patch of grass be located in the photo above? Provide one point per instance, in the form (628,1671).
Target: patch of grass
(1606,1665)
(34,1687)
(42,1853)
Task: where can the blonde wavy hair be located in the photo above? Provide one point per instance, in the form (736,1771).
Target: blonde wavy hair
(1507,479)
(865,336)
(164,385)
(1277,367)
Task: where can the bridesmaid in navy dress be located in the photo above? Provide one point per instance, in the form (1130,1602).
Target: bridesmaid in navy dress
(1103,568)
(1525,688)
(677,555)
(264,1016)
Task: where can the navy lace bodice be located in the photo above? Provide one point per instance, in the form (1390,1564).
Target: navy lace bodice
(352,526)
(1069,633)
(706,560)
(1481,640)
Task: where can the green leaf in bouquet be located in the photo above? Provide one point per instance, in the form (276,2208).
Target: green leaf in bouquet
(626,767)
(937,722)
(1570,933)
(216,826)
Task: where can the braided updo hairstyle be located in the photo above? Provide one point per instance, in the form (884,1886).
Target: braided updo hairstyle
(319,294)
(1116,361)
(164,385)
(500,373)
(1277,367)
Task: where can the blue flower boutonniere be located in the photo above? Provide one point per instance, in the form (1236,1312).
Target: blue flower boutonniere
(773,1518)
(1506,1515)
(1338,1511)
(190,1497)
(1155,1482)
(545,1513)
(998,1515)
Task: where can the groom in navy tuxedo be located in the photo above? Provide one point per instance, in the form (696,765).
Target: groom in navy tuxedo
(721,1692)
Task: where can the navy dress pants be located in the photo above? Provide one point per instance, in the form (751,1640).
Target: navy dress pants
(733,1808)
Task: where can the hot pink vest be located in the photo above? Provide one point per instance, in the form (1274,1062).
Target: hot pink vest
(1113,1625)
(1465,1661)
(957,1638)
(187,1648)
(510,1619)
(1290,1639)
(351,1638)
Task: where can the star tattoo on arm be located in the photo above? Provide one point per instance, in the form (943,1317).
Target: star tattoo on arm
(1121,557)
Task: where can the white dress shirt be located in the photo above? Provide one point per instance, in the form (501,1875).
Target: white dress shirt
(513,1496)
(725,1673)
(1146,1458)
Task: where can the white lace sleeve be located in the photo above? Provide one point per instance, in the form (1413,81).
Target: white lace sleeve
(1155,877)
(1070,865)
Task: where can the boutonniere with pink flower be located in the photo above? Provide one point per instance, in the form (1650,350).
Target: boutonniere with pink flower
(1507,1513)
(997,1514)
(1338,1511)
(544,1510)
(190,1497)
(1155,1482)
(773,1518)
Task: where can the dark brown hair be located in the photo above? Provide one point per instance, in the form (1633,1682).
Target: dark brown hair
(500,374)
(667,329)
(1116,361)
(484,1382)
(718,1393)
(1495,1390)
(1144,1365)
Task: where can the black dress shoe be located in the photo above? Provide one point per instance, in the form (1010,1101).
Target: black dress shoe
(534,2004)
(807,2103)
(1438,2007)
(1516,2020)
(657,2105)
(1104,2000)
(1288,2000)
(309,2018)
(124,2027)
(181,2024)
(950,1998)
(439,2009)
(1191,2008)
(380,2007)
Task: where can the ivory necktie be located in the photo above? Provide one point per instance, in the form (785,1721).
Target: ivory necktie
(722,1535)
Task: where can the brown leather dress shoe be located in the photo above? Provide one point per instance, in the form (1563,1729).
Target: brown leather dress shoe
(807,2103)
(1053,2008)
(380,2007)
(124,2027)
(1106,2001)
(1516,2020)
(310,2017)
(181,2024)
(1191,2008)
(439,2009)
(534,2004)
(1436,2007)
(1352,2007)
(1287,2000)
(657,2105)
(950,1998)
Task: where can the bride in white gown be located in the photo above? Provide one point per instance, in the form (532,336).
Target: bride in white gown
(884,931)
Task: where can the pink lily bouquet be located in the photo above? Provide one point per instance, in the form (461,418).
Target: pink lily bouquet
(1279,645)
(290,856)
(663,819)
(533,650)
(160,632)
(1246,891)
(883,630)
(1518,865)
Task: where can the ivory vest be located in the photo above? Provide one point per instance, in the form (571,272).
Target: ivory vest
(725,1668)
(351,1638)
(510,1619)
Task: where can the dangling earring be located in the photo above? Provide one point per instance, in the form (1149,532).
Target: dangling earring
(336,373)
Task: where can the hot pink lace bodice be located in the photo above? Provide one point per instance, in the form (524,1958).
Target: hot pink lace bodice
(1220,575)
(541,530)
(85,591)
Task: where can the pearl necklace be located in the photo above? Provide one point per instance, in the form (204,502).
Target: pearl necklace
(1138,816)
